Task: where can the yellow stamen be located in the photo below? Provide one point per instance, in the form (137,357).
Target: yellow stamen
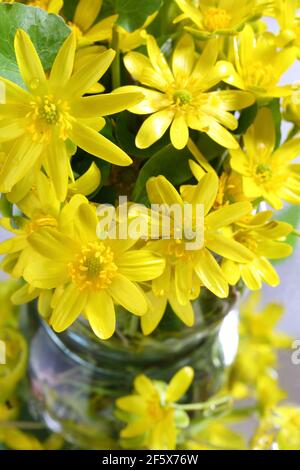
(39,222)
(260,75)
(216,19)
(93,268)
(47,115)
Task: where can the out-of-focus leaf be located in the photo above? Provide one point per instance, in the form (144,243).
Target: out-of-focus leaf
(133,14)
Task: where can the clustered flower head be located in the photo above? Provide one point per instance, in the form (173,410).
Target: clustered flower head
(182,109)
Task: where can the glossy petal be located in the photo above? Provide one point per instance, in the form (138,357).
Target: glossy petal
(100,312)
(154,128)
(129,295)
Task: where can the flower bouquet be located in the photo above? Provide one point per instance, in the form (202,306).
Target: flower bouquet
(142,162)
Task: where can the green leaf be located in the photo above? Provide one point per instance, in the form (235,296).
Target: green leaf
(274,106)
(169,162)
(246,119)
(133,14)
(47,31)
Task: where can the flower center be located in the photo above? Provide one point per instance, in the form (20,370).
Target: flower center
(39,222)
(248,241)
(182,97)
(216,19)
(263,173)
(46,115)
(93,268)
(177,250)
(260,75)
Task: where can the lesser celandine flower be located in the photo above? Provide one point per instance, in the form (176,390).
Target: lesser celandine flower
(40,119)
(268,172)
(89,274)
(85,16)
(179,97)
(286,13)
(259,65)
(266,239)
(223,17)
(151,413)
(187,268)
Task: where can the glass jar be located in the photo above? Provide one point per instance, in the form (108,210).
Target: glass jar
(75,377)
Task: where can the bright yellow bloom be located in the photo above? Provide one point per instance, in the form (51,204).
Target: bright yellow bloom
(188,268)
(83,24)
(286,13)
(258,325)
(52,6)
(219,17)
(265,238)
(259,66)
(216,435)
(151,411)
(184,99)
(16,361)
(88,273)
(268,172)
(40,120)
(128,41)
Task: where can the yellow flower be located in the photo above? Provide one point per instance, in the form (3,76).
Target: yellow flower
(221,17)
(16,361)
(265,238)
(52,6)
(268,173)
(180,99)
(268,392)
(83,26)
(89,274)
(151,411)
(259,66)
(187,268)
(286,13)
(129,41)
(39,121)
(291,106)
(216,435)
(259,325)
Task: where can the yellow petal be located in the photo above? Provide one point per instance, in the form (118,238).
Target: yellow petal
(86,13)
(231,271)
(140,265)
(97,145)
(154,128)
(88,182)
(100,311)
(71,304)
(184,312)
(64,62)
(104,105)
(267,272)
(89,74)
(211,275)
(44,274)
(260,137)
(179,384)
(179,132)
(101,31)
(58,167)
(251,277)
(144,386)
(161,191)
(206,191)
(132,404)
(157,307)
(135,428)
(28,61)
(152,100)
(227,215)
(183,57)
(128,295)
(141,69)
(53,245)
(206,61)
(158,60)
(228,248)
(11,131)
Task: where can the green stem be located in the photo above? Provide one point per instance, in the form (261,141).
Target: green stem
(296,232)
(294,131)
(22,425)
(116,65)
(212,404)
(133,326)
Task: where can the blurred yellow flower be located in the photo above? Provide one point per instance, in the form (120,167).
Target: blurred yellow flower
(220,17)
(216,435)
(265,238)
(259,65)
(41,119)
(85,26)
(151,412)
(268,172)
(180,98)
(188,268)
(89,274)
